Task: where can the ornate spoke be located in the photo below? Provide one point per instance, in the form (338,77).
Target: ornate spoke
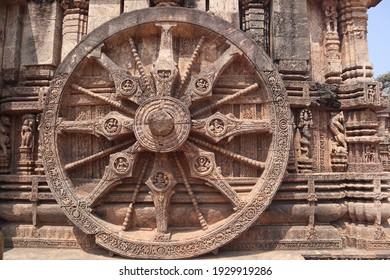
(187,72)
(134,197)
(127,86)
(96,156)
(145,80)
(121,166)
(161,183)
(165,71)
(113,103)
(224,100)
(201,85)
(201,219)
(112,126)
(203,166)
(251,162)
(220,126)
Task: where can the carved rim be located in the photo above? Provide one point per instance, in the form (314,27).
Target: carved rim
(247,212)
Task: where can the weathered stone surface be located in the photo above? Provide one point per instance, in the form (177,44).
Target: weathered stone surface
(41,34)
(290,30)
(13,34)
(132,5)
(101,11)
(228,10)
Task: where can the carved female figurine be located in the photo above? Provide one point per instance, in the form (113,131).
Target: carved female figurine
(331,18)
(304,125)
(27,134)
(336,126)
(4,138)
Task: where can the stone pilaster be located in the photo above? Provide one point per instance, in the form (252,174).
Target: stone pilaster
(41,42)
(74,25)
(12,39)
(255,20)
(363,141)
(354,46)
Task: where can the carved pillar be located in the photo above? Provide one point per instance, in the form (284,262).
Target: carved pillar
(363,141)
(255,20)
(4,144)
(354,47)
(312,201)
(38,163)
(332,42)
(74,25)
(26,150)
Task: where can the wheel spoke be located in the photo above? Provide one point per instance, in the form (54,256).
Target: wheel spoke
(149,91)
(161,183)
(111,102)
(191,194)
(99,155)
(201,85)
(203,166)
(248,161)
(121,166)
(165,71)
(112,126)
(220,126)
(224,100)
(127,86)
(187,72)
(129,211)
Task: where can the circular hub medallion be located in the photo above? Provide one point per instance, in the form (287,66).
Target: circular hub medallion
(162,124)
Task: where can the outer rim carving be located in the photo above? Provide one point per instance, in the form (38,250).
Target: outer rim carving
(264,189)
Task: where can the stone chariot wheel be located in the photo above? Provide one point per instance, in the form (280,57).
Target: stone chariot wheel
(165,134)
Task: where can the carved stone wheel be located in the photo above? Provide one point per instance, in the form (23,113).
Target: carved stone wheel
(165,134)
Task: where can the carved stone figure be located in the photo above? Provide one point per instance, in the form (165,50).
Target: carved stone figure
(336,126)
(305,125)
(27,134)
(330,15)
(4,134)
